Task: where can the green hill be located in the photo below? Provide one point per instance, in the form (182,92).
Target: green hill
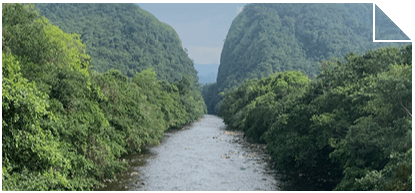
(65,126)
(268,38)
(123,37)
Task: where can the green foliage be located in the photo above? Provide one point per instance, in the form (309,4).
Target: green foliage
(46,149)
(348,130)
(268,38)
(211,98)
(70,48)
(136,121)
(20,27)
(395,176)
(123,37)
(179,103)
(389,116)
(25,143)
(191,99)
(251,106)
(65,127)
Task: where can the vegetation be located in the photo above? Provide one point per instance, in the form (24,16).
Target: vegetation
(350,129)
(386,29)
(65,127)
(268,38)
(123,37)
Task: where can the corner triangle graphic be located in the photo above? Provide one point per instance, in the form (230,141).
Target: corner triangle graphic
(386,29)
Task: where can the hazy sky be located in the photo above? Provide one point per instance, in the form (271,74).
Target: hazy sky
(202,27)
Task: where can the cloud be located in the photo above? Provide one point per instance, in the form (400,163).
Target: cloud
(205,54)
(239,9)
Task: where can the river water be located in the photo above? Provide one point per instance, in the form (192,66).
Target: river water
(201,156)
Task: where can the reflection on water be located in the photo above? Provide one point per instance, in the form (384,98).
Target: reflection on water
(201,157)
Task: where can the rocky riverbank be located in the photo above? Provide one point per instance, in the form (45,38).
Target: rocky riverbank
(255,149)
(200,156)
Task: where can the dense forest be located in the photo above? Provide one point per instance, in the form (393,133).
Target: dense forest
(66,126)
(123,37)
(85,84)
(386,29)
(268,38)
(349,129)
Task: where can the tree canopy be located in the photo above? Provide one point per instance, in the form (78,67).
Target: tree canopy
(268,38)
(123,37)
(350,129)
(65,126)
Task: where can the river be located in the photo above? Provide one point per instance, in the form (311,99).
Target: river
(201,156)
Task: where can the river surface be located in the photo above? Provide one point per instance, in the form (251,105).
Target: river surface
(201,156)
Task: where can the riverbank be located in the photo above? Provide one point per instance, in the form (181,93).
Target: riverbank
(200,156)
(131,177)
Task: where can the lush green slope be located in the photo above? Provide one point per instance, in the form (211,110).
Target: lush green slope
(123,37)
(268,38)
(65,127)
(386,29)
(350,129)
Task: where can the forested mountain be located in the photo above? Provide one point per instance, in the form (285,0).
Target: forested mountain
(65,126)
(268,38)
(386,29)
(349,129)
(123,37)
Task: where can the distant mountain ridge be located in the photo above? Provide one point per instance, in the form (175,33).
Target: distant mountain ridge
(204,69)
(207,73)
(208,78)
